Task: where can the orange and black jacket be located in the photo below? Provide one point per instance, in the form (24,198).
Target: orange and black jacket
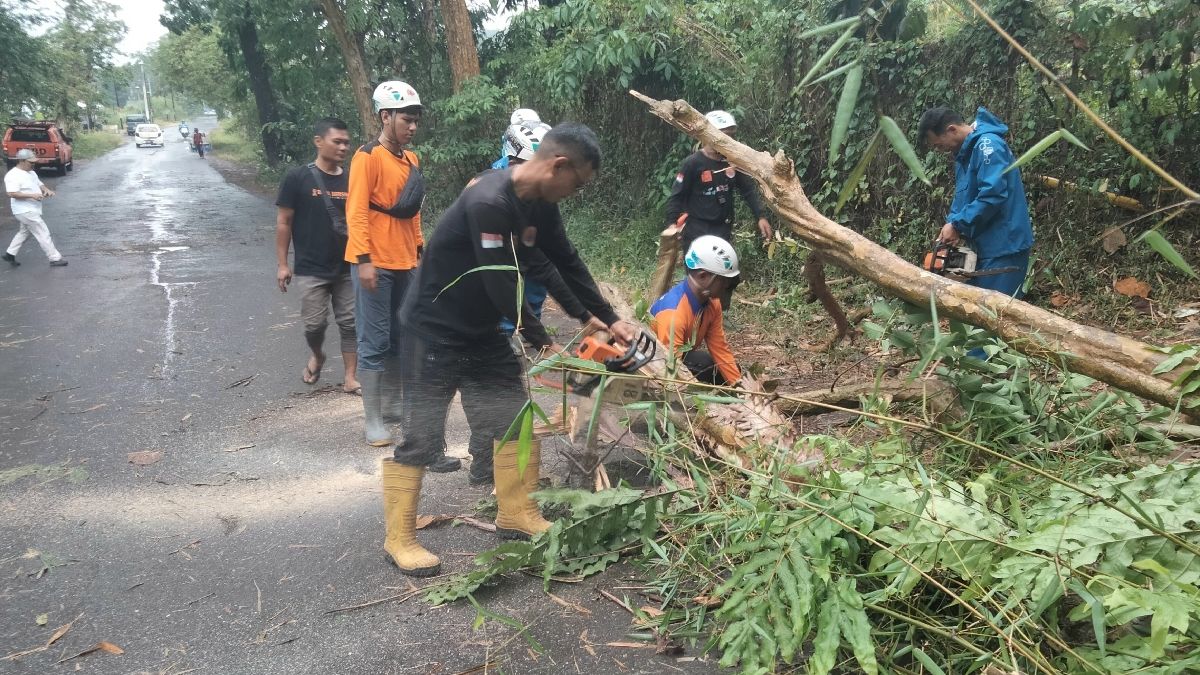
(680,319)
(377,177)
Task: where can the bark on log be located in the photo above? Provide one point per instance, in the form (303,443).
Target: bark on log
(1119,361)
(356,69)
(460,42)
(668,260)
(941,399)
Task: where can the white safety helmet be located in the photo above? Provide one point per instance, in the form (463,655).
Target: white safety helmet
(721,119)
(712,254)
(395,95)
(523,115)
(521,141)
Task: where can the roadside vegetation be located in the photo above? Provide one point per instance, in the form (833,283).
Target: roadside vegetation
(92,144)
(1033,520)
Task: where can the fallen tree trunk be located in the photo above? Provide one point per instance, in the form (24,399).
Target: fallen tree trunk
(749,433)
(1119,361)
(940,398)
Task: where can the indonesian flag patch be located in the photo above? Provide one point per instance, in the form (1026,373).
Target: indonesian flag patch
(488,240)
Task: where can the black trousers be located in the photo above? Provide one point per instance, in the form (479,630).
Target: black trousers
(488,375)
(703,366)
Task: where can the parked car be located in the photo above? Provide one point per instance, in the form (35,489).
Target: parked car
(148,135)
(131,122)
(47,140)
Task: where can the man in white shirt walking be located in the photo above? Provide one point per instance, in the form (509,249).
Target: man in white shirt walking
(27,191)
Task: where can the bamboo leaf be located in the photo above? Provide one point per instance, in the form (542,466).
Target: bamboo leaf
(845,110)
(481,268)
(929,663)
(1042,145)
(902,147)
(834,73)
(828,55)
(1164,248)
(525,440)
(1070,138)
(829,27)
(857,173)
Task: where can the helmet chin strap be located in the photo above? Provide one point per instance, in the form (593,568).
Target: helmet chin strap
(389,132)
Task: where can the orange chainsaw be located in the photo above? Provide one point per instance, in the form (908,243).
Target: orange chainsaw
(615,359)
(957,261)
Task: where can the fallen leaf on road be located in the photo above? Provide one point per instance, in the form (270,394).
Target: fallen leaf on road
(1132,287)
(98,647)
(145,457)
(652,611)
(62,630)
(42,619)
(1185,313)
(431,520)
(570,605)
(185,417)
(706,601)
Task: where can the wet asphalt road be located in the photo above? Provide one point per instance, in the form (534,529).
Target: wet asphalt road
(166,334)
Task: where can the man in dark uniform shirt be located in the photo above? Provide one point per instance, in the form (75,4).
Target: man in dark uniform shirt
(322,275)
(703,195)
(450,343)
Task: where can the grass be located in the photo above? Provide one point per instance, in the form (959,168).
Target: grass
(232,146)
(92,144)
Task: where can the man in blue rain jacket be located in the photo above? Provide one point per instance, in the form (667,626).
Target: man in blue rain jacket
(989,208)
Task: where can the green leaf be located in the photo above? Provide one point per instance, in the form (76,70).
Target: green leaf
(481,268)
(1164,248)
(1099,628)
(856,173)
(1042,145)
(902,147)
(835,72)
(829,27)
(845,110)
(927,662)
(825,644)
(829,54)
(525,440)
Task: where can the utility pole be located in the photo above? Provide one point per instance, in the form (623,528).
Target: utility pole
(145,94)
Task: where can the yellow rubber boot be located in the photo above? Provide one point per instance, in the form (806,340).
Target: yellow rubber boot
(401,492)
(517,516)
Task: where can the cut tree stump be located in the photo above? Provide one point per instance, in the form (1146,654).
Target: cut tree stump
(1122,362)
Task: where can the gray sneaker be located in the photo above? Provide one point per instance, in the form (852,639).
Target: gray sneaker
(61,262)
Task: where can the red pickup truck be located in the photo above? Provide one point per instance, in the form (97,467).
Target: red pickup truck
(47,140)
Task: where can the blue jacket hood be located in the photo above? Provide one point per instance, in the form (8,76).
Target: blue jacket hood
(985,123)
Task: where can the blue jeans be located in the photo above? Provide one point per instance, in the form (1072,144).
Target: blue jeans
(535,295)
(376,316)
(1008,283)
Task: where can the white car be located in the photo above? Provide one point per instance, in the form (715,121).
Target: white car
(148,135)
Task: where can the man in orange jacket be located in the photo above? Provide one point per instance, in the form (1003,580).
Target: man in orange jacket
(688,316)
(383,221)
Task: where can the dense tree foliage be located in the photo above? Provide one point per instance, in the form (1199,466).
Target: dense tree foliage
(61,67)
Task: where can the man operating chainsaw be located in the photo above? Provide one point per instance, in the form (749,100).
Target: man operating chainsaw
(450,344)
(989,210)
(690,313)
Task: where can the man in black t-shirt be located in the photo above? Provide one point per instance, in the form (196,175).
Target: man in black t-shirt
(703,194)
(304,219)
(465,284)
